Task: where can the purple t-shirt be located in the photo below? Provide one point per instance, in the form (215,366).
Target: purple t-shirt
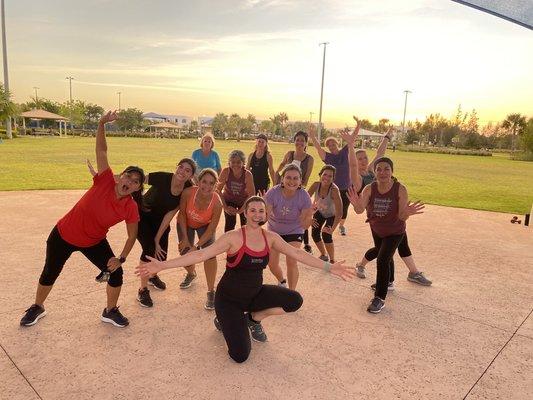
(285,216)
(340,162)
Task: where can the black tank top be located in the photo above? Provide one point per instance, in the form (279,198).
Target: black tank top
(248,259)
(259,169)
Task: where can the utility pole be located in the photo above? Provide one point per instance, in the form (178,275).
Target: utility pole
(405,110)
(36,97)
(119,93)
(322,90)
(9,134)
(70,78)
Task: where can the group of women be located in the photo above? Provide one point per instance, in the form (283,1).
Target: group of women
(199,191)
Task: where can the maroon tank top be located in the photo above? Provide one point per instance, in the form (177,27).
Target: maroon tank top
(235,188)
(382,211)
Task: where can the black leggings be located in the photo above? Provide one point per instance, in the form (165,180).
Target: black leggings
(231,310)
(345,202)
(148,227)
(317,233)
(58,251)
(403,250)
(231,220)
(386,247)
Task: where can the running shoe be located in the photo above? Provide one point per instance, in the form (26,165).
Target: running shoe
(217,324)
(143,297)
(376,305)
(360,271)
(308,248)
(115,317)
(391,286)
(210,302)
(33,314)
(283,283)
(342,230)
(187,282)
(256,329)
(156,282)
(323,257)
(419,278)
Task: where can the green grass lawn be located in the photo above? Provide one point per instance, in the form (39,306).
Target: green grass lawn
(485,183)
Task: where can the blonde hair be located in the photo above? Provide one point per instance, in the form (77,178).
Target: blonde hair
(331,138)
(207,135)
(208,171)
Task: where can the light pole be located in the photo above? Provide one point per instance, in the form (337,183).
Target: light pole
(6,74)
(405,110)
(70,78)
(119,93)
(322,89)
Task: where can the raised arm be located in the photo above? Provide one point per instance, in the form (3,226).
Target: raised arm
(220,246)
(382,148)
(101,145)
(316,143)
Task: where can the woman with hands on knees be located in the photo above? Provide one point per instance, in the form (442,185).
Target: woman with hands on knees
(84,228)
(242,300)
(388,207)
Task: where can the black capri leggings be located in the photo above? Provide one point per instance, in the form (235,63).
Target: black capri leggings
(345,202)
(233,320)
(58,251)
(317,233)
(385,263)
(231,220)
(403,250)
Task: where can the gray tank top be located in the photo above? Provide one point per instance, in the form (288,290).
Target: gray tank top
(326,206)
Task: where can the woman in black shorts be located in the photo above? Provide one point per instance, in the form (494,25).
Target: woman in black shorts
(242,301)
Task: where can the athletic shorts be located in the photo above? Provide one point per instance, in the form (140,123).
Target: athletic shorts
(293,237)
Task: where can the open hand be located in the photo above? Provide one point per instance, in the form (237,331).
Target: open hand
(146,270)
(159,252)
(343,271)
(110,116)
(113,264)
(353,196)
(414,208)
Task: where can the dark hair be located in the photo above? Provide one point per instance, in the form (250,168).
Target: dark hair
(262,136)
(384,160)
(138,194)
(291,167)
(328,167)
(253,199)
(301,133)
(189,161)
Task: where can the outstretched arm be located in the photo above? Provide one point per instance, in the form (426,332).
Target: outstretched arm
(101,145)
(220,246)
(304,257)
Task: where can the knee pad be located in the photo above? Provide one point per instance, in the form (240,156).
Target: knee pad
(115,279)
(294,303)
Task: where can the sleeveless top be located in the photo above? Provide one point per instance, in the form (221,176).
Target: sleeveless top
(326,206)
(259,169)
(382,211)
(248,259)
(302,164)
(197,218)
(235,188)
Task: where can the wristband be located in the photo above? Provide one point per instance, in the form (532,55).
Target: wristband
(327,266)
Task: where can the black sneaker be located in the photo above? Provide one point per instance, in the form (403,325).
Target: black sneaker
(143,297)
(217,324)
(210,302)
(256,329)
(33,314)
(157,283)
(376,306)
(308,248)
(187,281)
(115,317)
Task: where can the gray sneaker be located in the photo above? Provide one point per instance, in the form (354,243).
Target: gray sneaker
(210,302)
(360,271)
(342,230)
(256,329)
(419,278)
(187,282)
(323,257)
(376,305)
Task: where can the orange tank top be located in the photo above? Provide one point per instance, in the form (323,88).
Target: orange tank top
(195,217)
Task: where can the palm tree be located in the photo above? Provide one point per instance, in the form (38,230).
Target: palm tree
(515,123)
(8,109)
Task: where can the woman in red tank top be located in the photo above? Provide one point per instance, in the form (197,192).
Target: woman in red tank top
(387,206)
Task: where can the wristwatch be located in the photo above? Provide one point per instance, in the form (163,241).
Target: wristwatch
(122,260)
(198,247)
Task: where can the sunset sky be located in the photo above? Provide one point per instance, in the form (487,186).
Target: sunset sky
(262,57)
